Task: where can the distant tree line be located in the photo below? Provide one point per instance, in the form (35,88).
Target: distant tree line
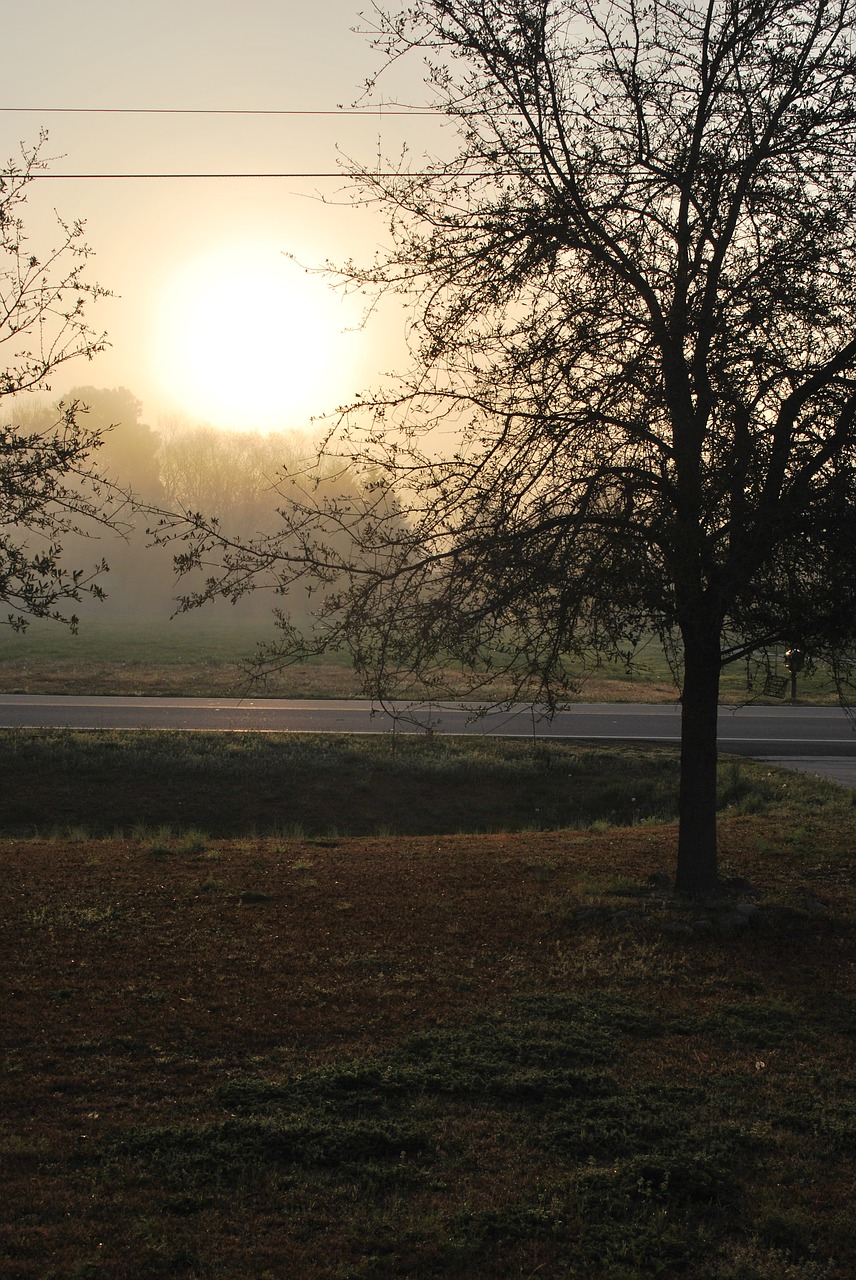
(177,467)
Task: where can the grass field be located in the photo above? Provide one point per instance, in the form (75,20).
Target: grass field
(187,656)
(206,656)
(61,782)
(258,1028)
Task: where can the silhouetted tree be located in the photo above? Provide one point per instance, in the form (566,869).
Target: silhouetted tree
(129,448)
(50,489)
(254,483)
(634,382)
(204,468)
(235,474)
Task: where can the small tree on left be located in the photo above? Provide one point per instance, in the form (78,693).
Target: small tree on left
(51,492)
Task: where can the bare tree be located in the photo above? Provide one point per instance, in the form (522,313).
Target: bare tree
(50,489)
(632,400)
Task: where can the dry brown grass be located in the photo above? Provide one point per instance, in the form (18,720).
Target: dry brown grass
(208,679)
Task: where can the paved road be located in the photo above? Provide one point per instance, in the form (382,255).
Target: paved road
(820,739)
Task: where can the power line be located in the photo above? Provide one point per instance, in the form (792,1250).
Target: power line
(382,111)
(146,177)
(183,177)
(396,109)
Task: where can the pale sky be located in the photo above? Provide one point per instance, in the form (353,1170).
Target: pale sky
(197,264)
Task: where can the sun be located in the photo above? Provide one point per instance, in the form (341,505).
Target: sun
(248,340)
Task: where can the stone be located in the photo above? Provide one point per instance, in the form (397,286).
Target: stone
(676,928)
(733,921)
(737,884)
(778,913)
(660,880)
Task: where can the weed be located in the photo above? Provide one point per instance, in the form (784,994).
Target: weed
(192,842)
(19,1150)
(73,833)
(543,872)
(752,1260)
(162,839)
(291,831)
(151,995)
(71,916)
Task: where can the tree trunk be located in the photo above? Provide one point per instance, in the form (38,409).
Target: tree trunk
(697,863)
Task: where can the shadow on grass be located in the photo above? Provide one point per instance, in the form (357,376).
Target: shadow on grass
(323,785)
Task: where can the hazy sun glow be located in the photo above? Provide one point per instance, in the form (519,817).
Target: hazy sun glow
(248,340)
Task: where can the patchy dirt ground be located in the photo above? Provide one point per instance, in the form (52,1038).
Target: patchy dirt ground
(139,977)
(236,948)
(300,944)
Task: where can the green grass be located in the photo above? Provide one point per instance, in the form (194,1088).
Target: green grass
(632,1173)
(194,655)
(223,785)
(205,654)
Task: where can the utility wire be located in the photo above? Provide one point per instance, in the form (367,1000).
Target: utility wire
(145,177)
(396,109)
(183,177)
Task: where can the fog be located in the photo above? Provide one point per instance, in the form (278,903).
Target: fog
(176,465)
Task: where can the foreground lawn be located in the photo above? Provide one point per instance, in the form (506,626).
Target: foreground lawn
(495,1055)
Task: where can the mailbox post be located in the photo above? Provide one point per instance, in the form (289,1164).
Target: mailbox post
(794,661)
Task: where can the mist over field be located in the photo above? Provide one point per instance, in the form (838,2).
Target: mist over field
(178,465)
(139,639)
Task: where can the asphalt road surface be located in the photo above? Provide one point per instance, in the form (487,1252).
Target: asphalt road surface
(817,739)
